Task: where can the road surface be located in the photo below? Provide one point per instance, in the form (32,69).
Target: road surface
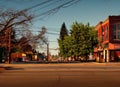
(61,75)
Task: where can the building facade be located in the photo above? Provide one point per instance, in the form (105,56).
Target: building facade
(108,48)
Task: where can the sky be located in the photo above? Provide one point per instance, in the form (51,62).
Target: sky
(92,11)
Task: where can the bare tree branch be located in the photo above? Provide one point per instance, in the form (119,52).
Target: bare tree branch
(13,19)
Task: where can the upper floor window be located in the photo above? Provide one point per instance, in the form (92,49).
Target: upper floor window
(116,31)
(102,34)
(106,32)
(118,34)
(118,26)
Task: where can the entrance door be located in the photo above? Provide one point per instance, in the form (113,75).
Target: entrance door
(111,56)
(105,55)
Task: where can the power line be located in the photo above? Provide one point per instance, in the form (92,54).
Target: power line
(34,6)
(52,41)
(47,5)
(39,4)
(53,29)
(54,10)
(52,33)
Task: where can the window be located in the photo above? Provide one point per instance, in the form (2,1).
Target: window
(102,34)
(118,31)
(119,35)
(118,26)
(114,31)
(107,32)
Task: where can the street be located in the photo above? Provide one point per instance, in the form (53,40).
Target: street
(61,75)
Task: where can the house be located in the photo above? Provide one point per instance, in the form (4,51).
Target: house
(108,48)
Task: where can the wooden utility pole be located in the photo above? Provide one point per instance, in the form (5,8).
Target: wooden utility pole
(47,51)
(9,44)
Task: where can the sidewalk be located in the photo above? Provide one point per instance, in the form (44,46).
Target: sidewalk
(3,66)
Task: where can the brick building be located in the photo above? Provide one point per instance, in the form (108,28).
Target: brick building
(108,48)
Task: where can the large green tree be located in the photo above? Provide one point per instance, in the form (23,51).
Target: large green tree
(63,34)
(84,39)
(80,42)
(68,46)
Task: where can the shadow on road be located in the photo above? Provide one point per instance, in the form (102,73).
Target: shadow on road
(12,68)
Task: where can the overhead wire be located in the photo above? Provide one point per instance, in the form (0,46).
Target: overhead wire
(39,4)
(51,10)
(47,5)
(55,9)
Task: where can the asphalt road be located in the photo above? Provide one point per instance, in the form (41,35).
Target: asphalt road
(61,75)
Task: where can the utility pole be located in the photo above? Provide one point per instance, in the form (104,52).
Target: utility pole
(47,51)
(9,45)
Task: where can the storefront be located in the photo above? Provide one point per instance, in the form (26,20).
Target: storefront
(114,52)
(108,48)
(108,54)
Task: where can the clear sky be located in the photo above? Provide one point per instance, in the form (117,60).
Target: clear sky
(84,11)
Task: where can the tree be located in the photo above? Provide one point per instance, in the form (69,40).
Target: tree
(68,46)
(84,39)
(78,34)
(15,24)
(38,39)
(14,19)
(63,33)
(10,21)
(30,40)
(80,42)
